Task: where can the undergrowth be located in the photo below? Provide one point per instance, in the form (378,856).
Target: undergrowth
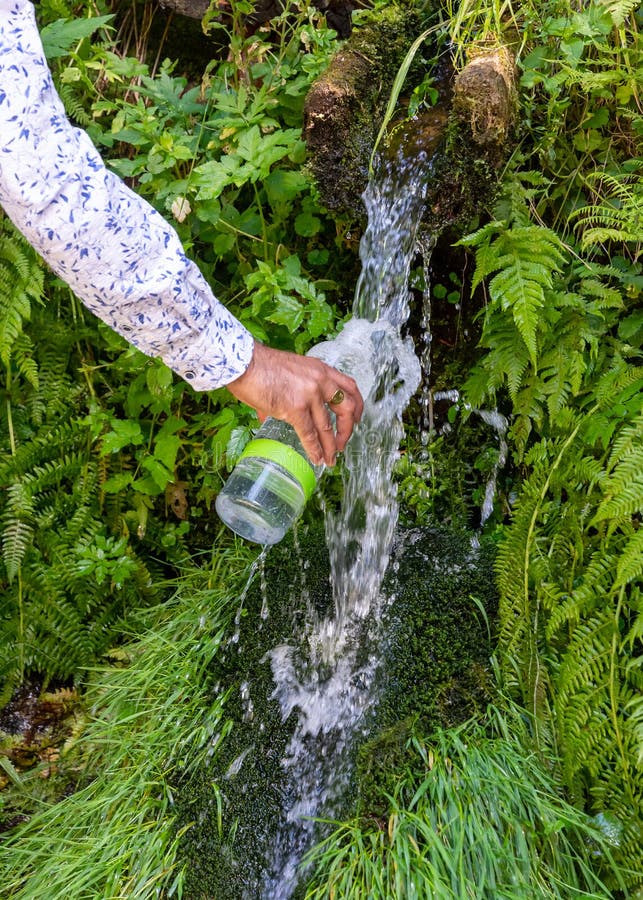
(109,463)
(152,718)
(476,813)
(559,264)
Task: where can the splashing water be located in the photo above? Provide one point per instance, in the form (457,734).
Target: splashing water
(499,424)
(326,676)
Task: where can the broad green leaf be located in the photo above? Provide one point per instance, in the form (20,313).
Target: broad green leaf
(214,176)
(160,473)
(60,36)
(289,312)
(118,483)
(124,432)
(320,319)
(283,186)
(238,439)
(307,225)
(166,447)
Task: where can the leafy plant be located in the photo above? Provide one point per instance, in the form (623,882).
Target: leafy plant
(616,214)
(569,573)
(21,287)
(551,322)
(57,616)
(559,265)
(112,463)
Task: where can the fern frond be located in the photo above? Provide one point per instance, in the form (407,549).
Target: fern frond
(21,284)
(73,98)
(620,384)
(24,361)
(16,539)
(524,258)
(618,213)
(508,360)
(623,489)
(17,528)
(597,584)
(630,562)
(607,297)
(619,10)
(627,442)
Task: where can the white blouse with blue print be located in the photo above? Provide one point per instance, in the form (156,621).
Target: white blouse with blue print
(116,252)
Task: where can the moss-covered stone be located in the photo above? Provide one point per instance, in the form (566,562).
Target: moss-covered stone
(434,653)
(435,657)
(345,106)
(236,804)
(466,137)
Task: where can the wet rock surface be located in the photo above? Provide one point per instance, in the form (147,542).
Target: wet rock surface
(433,649)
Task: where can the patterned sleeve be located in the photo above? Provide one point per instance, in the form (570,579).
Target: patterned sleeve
(115,251)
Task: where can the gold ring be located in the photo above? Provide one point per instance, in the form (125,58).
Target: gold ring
(337,397)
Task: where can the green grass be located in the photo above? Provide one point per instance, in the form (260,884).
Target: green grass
(153,721)
(475,815)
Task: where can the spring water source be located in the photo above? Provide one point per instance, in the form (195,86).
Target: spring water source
(325,675)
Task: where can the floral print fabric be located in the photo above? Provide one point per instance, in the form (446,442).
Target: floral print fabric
(116,252)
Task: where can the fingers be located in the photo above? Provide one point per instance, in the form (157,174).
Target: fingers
(297,389)
(352,397)
(309,435)
(325,434)
(347,413)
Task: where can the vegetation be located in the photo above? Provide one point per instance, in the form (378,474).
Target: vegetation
(472,815)
(109,465)
(117,829)
(562,339)
(104,449)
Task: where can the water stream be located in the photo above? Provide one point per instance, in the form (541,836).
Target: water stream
(325,674)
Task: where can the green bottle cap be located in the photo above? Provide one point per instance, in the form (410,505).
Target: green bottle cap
(286,457)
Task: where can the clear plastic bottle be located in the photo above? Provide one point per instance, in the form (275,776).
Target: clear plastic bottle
(273,478)
(269,486)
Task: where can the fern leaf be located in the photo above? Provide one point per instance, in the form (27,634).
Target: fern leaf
(21,283)
(17,530)
(74,103)
(623,490)
(16,538)
(527,258)
(628,441)
(617,215)
(630,563)
(596,584)
(24,361)
(508,359)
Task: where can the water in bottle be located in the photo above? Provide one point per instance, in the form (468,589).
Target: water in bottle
(270,485)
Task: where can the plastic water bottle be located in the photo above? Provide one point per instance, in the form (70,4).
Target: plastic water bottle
(269,486)
(273,478)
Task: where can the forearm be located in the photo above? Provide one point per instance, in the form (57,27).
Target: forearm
(114,250)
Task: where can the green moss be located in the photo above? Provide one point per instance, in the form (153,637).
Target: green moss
(345,107)
(233,817)
(433,669)
(435,659)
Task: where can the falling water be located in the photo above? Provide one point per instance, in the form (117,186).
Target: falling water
(496,421)
(424,246)
(326,675)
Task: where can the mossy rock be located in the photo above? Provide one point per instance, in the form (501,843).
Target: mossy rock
(228,862)
(345,106)
(435,660)
(434,654)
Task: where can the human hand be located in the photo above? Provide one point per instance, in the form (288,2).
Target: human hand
(297,390)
